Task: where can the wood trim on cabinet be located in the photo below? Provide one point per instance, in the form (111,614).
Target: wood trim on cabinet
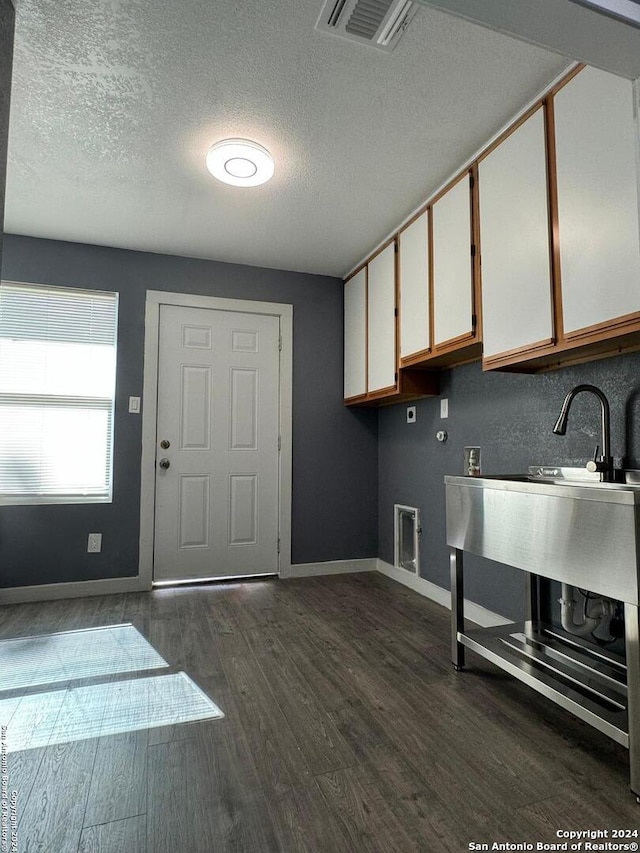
(381,249)
(359,398)
(366,329)
(582,353)
(415,358)
(510,130)
(513,355)
(566,79)
(450,185)
(454,343)
(413,384)
(396,309)
(584,346)
(476,273)
(415,216)
(432,319)
(555,276)
(382,392)
(354,273)
(607,328)
(572,352)
(471,351)
(365,264)
(398,303)
(418,382)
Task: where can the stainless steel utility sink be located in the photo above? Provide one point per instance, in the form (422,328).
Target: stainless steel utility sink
(570,528)
(563,476)
(582,532)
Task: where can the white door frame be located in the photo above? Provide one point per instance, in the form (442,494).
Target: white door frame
(156,298)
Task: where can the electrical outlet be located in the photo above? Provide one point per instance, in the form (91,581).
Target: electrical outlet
(411,414)
(444,407)
(94,543)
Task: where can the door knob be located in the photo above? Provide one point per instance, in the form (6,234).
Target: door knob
(164,444)
(164,463)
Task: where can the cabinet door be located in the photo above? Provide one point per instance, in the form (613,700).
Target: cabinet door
(355,335)
(381,328)
(452,273)
(514,242)
(413,252)
(597,199)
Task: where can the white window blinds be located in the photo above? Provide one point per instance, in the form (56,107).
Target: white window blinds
(57,385)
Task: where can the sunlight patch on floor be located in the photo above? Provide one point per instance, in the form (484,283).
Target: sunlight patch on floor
(51,658)
(100,710)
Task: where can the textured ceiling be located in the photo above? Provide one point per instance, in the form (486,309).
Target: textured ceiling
(116,102)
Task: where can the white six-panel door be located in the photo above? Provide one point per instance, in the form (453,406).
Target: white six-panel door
(216,512)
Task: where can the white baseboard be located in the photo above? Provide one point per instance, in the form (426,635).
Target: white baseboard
(110,586)
(333,567)
(76,589)
(475,612)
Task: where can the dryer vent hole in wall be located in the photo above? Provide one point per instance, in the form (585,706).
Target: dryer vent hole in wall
(407,532)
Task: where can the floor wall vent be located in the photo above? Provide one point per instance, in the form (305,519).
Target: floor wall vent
(378,23)
(406,535)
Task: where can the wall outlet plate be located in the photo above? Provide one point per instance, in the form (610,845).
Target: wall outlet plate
(94,543)
(444,407)
(411,414)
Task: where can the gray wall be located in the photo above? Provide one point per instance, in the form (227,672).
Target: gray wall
(510,416)
(7,19)
(334,449)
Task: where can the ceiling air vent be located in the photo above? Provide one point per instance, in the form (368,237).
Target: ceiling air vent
(378,23)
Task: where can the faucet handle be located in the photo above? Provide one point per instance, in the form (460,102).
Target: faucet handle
(603,465)
(592,465)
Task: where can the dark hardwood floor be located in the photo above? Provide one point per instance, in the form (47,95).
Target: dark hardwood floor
(345,729)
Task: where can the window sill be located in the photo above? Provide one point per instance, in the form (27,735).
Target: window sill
(44,500)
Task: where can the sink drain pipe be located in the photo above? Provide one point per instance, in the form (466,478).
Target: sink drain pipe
(582,624)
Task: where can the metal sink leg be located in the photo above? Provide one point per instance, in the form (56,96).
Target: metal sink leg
(632,648)
(457,607)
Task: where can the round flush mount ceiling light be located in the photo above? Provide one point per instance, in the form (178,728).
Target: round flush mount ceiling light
(240,162)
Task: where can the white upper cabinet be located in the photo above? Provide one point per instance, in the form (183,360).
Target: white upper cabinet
(381,320)
(355,335)
(531,257)
(597,199)
(452,265)
(514,242)
(413,249)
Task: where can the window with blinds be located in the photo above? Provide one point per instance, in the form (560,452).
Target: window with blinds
(57,387)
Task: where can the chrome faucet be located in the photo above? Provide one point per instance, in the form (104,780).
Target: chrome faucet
(603,463)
